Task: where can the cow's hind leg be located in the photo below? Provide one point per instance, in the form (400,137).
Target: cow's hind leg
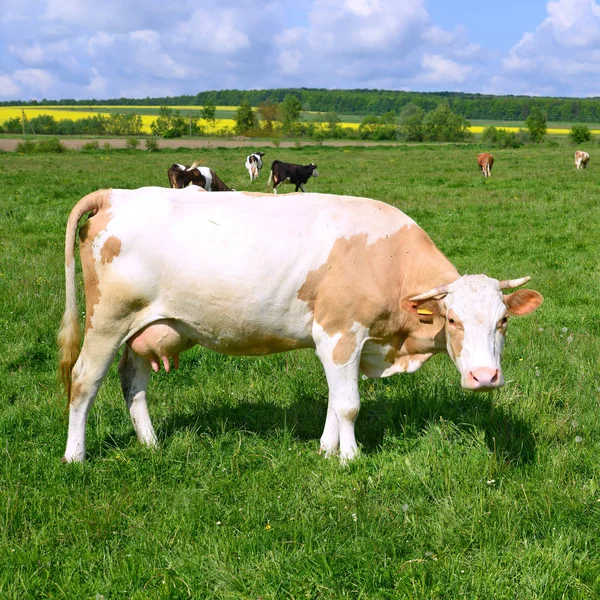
(96,356)
(134,372)
(340,356)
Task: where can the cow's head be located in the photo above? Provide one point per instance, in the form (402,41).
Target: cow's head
(476,315)
(314,172)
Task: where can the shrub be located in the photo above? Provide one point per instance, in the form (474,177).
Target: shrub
(500,138)
(172,133)
(580,133)
(26,147)
(106,146)
(132,143)
(90,146)
(152,144)
(50,145)
(42,146)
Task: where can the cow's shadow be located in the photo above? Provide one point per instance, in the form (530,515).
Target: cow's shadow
(405,410)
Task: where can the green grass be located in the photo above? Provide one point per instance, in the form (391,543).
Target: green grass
(455,495)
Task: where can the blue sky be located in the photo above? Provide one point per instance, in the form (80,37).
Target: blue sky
(87,49)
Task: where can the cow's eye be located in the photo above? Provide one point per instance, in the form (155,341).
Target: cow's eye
(503,321)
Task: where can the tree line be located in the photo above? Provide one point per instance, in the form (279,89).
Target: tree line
(370,102)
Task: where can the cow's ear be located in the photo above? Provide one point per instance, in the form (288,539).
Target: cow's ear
(425,310)
(523,302)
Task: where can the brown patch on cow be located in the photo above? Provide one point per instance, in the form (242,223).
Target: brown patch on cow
(344,348)
(75,391)
(87,234)
(365,283)
(110,249)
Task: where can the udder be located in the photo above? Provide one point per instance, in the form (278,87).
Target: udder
(160,342)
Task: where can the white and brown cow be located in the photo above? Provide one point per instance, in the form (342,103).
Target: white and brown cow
(254,164)
(581,159)
(181,176)
(485,161)
(354,278)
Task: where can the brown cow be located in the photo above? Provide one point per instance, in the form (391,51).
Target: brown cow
(485,160)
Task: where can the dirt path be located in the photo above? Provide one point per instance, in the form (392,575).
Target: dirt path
(10,145)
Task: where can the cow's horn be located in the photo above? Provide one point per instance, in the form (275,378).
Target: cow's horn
(508,284)
(438,291)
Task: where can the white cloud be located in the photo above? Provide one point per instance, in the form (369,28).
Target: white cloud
(560,57)
(8,88)
(440,69)
(37,80)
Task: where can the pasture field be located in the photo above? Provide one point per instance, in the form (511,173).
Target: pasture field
(454,496)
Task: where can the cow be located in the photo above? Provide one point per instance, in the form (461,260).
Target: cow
(181,176)
(581,159)
(355,279)
(282,172)
(485,161)
(254,164)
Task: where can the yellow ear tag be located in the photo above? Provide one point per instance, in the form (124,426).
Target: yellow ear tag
(424,311)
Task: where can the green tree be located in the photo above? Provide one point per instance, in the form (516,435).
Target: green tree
(580,133)
(124,124)
(245,118)
(411,122)
(536,124)
(443,125)
(269,112)
(208,113)
(169,123)
(290,112)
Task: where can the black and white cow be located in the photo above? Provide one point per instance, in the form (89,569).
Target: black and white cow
(282,172)
(254,164)
(181,176)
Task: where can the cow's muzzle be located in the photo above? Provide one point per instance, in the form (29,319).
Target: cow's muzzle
(483,379)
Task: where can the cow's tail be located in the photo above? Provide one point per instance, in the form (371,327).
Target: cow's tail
(69,334)
(270,180)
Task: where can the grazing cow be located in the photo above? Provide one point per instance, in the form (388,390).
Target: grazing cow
(254,164)
(354,278)
(485,161)
(282,172)
(181,176)
(581,159)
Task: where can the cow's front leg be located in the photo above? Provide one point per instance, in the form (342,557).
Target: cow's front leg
(340,356)
(302,188)
(134,372)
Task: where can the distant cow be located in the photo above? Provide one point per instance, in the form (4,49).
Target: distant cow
(282,172)
(581,159)
(254,164)
(181,176)
(486,161)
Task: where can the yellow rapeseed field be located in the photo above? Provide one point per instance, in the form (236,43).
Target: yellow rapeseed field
(76,113)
